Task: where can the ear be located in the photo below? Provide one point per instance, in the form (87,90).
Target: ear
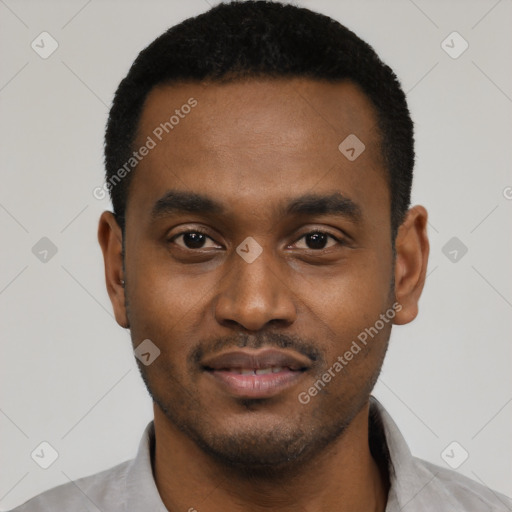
(412,249)
(110,237)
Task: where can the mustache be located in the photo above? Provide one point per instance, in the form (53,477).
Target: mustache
(255,341)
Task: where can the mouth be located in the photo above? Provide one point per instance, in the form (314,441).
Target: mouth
(256,374)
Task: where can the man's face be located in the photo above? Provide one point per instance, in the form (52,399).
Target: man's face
(254,148)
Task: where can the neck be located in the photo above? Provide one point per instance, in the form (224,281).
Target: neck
(344,477)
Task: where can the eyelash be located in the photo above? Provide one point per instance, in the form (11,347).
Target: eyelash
(340,241)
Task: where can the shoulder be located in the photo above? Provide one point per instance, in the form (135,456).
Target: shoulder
(419,485)
(459,492)
(100,491)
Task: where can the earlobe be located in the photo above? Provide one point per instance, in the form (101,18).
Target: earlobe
(412,250)
(110,238)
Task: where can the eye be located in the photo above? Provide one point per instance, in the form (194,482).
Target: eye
(193,239)
(197,239)
(317,240)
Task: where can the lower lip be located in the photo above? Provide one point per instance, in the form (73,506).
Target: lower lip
(256,386)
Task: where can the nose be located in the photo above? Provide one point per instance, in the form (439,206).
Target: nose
(255,294)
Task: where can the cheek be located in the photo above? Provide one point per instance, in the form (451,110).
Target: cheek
(159,299)
(355,323)
(347,309)
(355,293)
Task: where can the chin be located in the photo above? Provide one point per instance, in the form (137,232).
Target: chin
(258,446)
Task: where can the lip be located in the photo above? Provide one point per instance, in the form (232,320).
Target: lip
(226,369)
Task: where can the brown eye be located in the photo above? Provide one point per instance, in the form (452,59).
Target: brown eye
(317,240)
(192,239)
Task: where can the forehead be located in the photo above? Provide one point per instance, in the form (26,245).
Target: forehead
(292,111)
(242,141)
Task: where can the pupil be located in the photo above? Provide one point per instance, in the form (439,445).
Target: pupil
(316,240)
(193,240)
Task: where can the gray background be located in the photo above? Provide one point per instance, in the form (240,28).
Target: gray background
(67,372)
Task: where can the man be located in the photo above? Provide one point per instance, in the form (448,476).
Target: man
(259,159)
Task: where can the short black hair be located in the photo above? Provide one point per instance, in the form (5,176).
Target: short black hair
(253,39)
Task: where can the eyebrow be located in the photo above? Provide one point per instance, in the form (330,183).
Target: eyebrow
(176,202)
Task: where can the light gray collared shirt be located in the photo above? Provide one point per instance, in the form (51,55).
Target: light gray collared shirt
(416,485)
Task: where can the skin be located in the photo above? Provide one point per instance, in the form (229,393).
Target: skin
(252,146)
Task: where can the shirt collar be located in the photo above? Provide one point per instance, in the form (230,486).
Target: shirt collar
(386,443)
(385,435)
(413,486)
(141,491)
